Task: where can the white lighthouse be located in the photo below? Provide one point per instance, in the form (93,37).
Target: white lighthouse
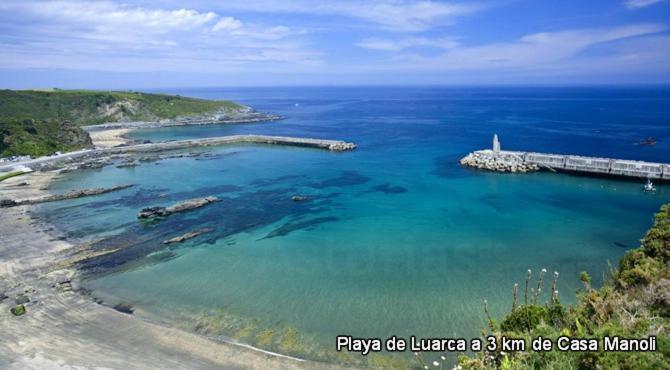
(496,144)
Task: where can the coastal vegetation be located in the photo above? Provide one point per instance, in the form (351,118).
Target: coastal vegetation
(634,302)
(40,122)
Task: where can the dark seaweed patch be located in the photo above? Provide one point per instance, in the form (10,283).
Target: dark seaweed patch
(230,215)
(273,181)
(622,245)
(493,201)
(388,189)
(211,156)
(290,227)
(347,178)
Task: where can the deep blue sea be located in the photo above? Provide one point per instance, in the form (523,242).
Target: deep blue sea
(395,238)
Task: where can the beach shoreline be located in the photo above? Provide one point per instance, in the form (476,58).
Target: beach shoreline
(65,327)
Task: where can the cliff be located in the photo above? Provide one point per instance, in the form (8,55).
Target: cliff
(38,123)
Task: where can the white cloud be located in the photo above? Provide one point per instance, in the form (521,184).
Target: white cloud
(228,24)
(392,15)
(534,50)
(108,35)
(406,43)
(636,4)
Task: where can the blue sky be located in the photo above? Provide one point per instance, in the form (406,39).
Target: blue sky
(145,43)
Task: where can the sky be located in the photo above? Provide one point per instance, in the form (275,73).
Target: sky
(196,43)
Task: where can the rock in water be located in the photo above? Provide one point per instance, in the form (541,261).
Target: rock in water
(151,212)
(187,236)
(125,308)
(298,198)
(5,203)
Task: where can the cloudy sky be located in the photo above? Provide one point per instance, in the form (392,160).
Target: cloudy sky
(146,43)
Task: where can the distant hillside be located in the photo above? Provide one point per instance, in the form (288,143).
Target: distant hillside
(36,122)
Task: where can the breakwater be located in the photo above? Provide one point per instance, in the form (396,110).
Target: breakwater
(512,161)
(66,159)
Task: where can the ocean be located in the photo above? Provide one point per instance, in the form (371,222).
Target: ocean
(394,238)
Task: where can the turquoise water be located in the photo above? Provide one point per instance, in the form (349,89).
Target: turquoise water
(395,238)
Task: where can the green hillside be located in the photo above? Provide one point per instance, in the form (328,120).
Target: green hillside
(39,122)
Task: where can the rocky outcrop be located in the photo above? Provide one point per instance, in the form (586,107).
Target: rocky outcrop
(152,212)
(187,236)
(73,135)
(495,162)
(5,203)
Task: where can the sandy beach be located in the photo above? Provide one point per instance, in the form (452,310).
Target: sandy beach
(109,138)
(66,329)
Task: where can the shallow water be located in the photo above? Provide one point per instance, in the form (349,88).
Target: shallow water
(395,238)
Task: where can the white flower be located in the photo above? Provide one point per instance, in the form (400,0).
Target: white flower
(435,363)
(544,270)
(426,367)
(443,358)
(555,291)
(555,273)
(529,271)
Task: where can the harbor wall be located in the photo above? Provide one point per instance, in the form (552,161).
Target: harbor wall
(582,164)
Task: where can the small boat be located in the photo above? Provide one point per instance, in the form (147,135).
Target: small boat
(649,186)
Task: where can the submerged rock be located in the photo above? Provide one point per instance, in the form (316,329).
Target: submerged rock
(187,236)
(650,141)
(298,198)
(127,164)
(152,212)
(21,299)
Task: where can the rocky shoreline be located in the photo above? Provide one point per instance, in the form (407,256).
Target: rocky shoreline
(246,116)
(62,326)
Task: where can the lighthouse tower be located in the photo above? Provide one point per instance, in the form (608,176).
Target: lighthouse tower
(496,144)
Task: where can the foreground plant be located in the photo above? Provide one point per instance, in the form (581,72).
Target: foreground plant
(634,302)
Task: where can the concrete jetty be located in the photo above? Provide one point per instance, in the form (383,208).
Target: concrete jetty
(81,155)
(517,161)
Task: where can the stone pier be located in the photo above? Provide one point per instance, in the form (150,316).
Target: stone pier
(81,155)
(516,161)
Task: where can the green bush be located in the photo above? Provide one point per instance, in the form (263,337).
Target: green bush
(525,318)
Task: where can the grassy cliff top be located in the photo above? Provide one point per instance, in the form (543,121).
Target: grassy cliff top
(87,107)
(40,122)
